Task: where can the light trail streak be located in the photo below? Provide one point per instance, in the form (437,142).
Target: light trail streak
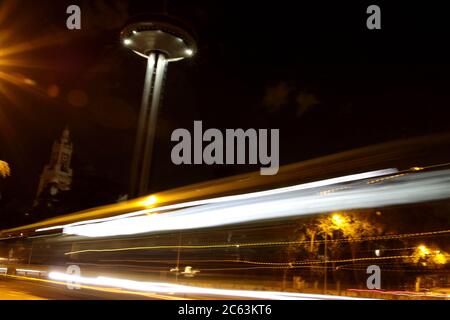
(387,178)
(296,263)
(102,289)
(31,271)
(312,262)
(421,188)
(398,270)
(247,196)
(167,288)
(259,244)
(286,265)
(402,293)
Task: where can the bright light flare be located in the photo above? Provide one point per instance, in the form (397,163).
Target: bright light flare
(440,258)
(150,201)
(338,220)
(424,250)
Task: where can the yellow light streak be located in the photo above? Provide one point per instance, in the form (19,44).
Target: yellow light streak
(257,244)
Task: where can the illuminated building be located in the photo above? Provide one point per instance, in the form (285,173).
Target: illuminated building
(57,175)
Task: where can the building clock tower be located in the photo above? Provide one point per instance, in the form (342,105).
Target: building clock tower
(57,175)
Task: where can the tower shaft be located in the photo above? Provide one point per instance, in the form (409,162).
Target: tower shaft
(146,132)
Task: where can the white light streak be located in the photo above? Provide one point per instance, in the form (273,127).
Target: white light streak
(245,196)
(406,189)
(30,271)
(170,288)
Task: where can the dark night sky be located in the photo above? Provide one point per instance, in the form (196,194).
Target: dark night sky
(314,71)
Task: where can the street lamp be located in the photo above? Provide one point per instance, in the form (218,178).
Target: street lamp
(338,220)
(5,171)
(159,39)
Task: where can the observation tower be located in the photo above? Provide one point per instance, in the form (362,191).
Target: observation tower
(160,40)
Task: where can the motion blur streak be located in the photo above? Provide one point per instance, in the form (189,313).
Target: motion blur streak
(152,200)
(103,289)
(261,244)
(273,204)
(169,288)
(403,293)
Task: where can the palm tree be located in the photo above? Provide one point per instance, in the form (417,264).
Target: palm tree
(5,171)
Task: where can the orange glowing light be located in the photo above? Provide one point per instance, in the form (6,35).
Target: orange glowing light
(5,171)
(150,201)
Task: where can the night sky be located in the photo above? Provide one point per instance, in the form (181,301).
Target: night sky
(313,71)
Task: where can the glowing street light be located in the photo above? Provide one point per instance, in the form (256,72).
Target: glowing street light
(150,201)
(160,40)
(439,257)
(338,220)
(5,171)
(424,250)
(424,254)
